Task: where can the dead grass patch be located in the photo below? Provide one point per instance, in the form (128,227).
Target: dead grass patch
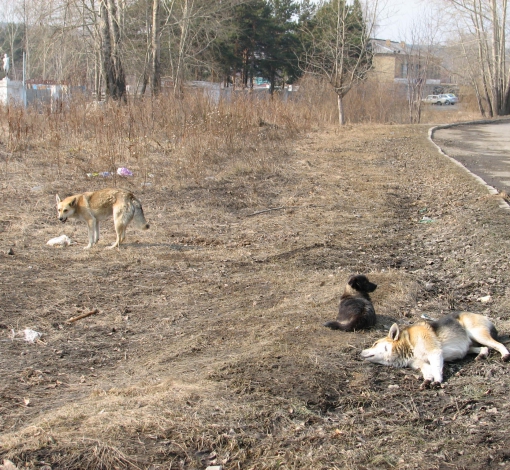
(208,347)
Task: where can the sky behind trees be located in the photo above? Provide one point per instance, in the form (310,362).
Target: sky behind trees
(397,18)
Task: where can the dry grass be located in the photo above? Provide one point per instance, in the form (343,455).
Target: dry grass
(209,346)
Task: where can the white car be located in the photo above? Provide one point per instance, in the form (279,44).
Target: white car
(432,99)
(448,98)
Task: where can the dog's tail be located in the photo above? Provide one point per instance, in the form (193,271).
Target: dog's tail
(335,325)
(138,216)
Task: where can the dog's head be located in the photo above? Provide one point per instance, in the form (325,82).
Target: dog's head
(65,208)
(360,283)
(385,351)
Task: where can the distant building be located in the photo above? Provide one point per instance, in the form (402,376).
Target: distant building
(397,62)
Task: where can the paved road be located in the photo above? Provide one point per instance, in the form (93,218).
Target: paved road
(484,149)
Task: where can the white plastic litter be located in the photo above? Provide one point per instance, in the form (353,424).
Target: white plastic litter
(63,240)
(124,171)
(31,335)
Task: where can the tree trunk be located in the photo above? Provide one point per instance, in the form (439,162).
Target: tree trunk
(341,114)
(179,71)
(120,79)
(110,51)
(156,64)
(106,49)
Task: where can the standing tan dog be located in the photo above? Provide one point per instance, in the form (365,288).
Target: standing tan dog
(426,345)
(92,207)
(356,310)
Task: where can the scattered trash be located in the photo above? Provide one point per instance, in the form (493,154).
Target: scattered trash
(124,171)
(63,240)
(104,174)
(426,220)
(426,317)
(485,299)
(31,336)
(421,211)
(147,184)
(10,252)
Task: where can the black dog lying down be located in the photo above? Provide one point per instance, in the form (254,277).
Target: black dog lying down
(356,310)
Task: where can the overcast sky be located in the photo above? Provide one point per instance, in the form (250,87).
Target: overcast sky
(398,17)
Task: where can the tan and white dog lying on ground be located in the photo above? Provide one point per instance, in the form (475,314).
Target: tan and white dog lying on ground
(92,207)
(426,345)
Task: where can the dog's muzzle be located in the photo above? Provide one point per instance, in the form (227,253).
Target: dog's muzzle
(63,219)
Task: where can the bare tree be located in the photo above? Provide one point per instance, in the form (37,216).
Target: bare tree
(190,28)
(156,48)
(12,33)
(113,71)
(337,45)
(485,22)
(421,65)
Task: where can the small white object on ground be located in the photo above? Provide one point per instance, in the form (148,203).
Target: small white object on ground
(31,335)
(63,240)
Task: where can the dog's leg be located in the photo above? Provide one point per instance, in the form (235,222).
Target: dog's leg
(122,234)
(482,352)
(119,227)
(432,370)
(91,232)
(117,241)
(96,231)
(483,336)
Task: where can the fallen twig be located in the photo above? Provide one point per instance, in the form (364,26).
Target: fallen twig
(83,315)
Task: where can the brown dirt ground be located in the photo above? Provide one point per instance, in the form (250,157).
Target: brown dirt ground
(209,348)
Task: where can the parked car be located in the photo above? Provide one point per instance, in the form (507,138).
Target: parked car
(444,98)
(432,99)
(448,98)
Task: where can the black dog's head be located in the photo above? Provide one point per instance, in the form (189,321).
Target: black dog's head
(360,283)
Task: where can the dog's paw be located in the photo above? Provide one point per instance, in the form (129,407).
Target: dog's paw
(505,358)
(484,354)
(425,384)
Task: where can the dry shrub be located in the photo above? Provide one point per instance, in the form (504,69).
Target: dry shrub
(368,102)
(180,139)
(375,102)
(196,135)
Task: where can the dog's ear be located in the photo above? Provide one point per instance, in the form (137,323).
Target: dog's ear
(394,332)
(57,197)
(73,202)
(354,282)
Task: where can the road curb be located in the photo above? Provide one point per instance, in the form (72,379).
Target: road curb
(492,190)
